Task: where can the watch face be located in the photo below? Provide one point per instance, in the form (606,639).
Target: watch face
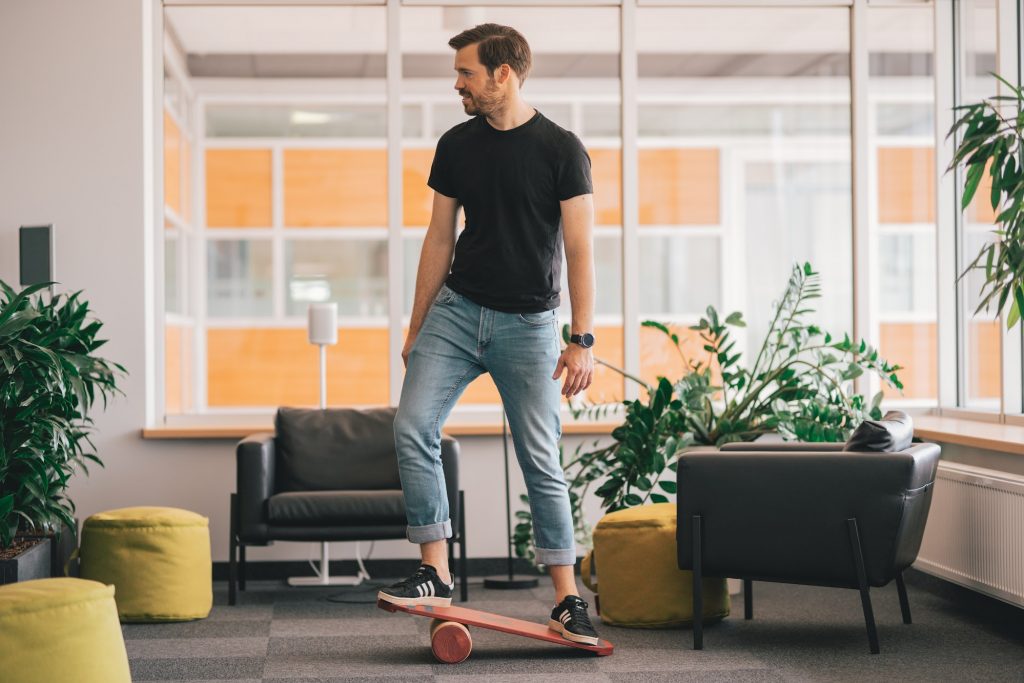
(586,340)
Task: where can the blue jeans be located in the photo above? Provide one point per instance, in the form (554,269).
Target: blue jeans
(459,341)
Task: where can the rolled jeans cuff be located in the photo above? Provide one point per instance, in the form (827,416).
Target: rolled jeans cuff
(430,532)
(558,556)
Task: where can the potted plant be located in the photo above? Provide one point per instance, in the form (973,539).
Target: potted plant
(49,380)
(994,140)
(797,386)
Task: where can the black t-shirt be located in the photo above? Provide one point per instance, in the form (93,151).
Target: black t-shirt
(509,257)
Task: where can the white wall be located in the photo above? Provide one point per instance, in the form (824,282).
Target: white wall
(73,154)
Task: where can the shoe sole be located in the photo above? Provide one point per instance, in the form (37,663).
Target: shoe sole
(410,602)
(568,635)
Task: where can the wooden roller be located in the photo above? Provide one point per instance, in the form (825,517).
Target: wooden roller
(450,641)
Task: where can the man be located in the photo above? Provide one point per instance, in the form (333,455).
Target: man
(526,188)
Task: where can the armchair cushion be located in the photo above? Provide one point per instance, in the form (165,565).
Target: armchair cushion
(891,434)
(342,508)
(335,449)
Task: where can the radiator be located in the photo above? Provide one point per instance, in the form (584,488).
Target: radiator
(975,531)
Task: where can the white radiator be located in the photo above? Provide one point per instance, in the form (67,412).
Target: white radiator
(975,531)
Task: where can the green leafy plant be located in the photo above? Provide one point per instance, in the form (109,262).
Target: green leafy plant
(991,139)
(49,380)
(798,386)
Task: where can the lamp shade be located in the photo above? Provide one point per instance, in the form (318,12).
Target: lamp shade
(323,323)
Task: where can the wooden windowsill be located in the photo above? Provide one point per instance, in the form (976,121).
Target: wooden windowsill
(987,435)
(991,436)
(454,429)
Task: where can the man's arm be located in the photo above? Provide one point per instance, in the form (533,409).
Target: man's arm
(578,234)
(435,262)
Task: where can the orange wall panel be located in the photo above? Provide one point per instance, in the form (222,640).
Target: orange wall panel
(679,187)
(608,386)
(238,188)
(915,347)
(273,367)
(606,169)
(418,198)
(172,370)
(906,185)
(659,357)
(335,187)
(983,348)
(172,164)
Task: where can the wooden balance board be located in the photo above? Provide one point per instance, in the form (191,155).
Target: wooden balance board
(450,639)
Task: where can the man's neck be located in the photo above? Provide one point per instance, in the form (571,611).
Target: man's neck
(512,116)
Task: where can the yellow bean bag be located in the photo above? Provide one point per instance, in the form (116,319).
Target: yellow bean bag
(61,630)
(638,573)
(158,558)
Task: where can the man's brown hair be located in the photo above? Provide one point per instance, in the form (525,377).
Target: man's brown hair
(497,45)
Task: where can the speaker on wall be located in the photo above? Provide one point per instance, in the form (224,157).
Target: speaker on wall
(37,255)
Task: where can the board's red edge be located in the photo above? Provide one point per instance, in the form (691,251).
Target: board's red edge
(469,617)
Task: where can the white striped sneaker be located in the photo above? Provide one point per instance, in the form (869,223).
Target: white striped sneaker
(422,588)
(570,618)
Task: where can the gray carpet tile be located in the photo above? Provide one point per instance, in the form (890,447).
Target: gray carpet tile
(203,668)
(799,633)
(167,648)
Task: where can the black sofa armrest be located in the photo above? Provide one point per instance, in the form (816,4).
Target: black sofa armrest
(777,446)
(254,457)
(450,465)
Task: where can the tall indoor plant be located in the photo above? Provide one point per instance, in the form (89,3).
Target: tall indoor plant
(992,138)
(798,385)
(49,380)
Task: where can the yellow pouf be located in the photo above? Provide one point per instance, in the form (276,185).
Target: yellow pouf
(638,572)
(158,558)
(61,630)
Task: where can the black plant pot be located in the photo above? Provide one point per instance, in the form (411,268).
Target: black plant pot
(33,563)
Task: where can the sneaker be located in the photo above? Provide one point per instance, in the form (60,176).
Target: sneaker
(422,588)
(570,618)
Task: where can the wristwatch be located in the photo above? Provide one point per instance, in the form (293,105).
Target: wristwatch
(586,340)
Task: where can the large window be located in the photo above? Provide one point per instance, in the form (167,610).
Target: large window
(277,169)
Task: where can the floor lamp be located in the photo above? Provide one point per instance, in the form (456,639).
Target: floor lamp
(323,331)
(511,581)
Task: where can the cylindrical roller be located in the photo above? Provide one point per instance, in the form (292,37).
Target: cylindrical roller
(450,641)
(434,623)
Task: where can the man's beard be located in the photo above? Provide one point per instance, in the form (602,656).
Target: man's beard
(486,103)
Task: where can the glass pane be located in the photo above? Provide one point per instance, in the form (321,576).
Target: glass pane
(296,121)
(672,120)
(797,212)
(902,183)
(351,272)
(602,120)
(907,284)
(980,336)
(239,279)
(608,274)
(679,276)
(412,245)
(756,158)
(172,297)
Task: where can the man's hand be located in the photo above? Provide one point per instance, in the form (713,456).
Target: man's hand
(578,364)
(409,341)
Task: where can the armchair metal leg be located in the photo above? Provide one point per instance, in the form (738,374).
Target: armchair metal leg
(748,599)
(232,553)
(698,588)
(463,562)
(862,580)
(241,566)
(901,588)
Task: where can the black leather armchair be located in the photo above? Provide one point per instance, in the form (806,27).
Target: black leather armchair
(328,475)
(803,513)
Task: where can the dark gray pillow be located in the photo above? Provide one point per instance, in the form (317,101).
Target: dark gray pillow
(890,434)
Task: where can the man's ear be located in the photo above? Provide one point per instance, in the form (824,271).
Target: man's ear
(503,73)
